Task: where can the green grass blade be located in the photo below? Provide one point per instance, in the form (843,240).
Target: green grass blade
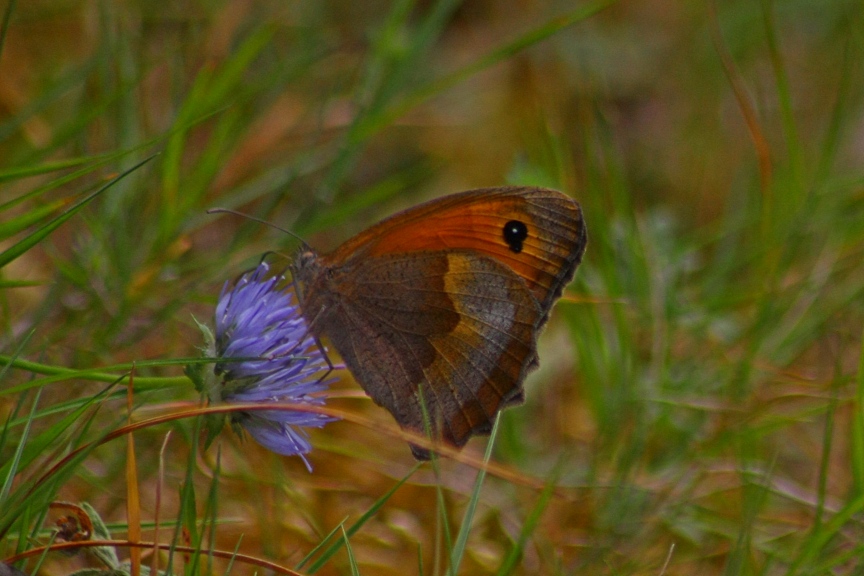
(10,469)
(361,521)
(188,513)
(211,512)
(107,374)
(42,232)
(784,94)
(355,571)
(4,27)
(444,538)
(813,546)
(467,520)
(39,493)
(17,224)
(320,545)
(43,443)
(8,284)
(825,463)
(4,436)
(857,460)
(513,555)
(21,172)
(212,89)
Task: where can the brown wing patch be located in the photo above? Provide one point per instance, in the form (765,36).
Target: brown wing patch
(482,362)
(455,327)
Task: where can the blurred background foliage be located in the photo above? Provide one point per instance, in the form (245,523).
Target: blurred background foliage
(698,408)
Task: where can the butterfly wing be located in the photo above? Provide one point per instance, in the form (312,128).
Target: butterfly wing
(555,234)
(436,310)
(437,338)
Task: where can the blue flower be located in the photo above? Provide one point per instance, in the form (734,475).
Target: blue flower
(277,360)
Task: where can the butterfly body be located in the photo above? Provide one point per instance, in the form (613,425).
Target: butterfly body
(436,310)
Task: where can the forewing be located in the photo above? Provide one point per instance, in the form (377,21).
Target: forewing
(474,221)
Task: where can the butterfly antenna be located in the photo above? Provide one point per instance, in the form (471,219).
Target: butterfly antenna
(260,221)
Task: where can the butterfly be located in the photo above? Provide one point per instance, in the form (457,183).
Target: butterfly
(436,310)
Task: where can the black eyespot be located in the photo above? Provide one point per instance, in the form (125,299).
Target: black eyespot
(515,232)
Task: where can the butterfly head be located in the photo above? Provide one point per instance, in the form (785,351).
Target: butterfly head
(313,279)
(306,266)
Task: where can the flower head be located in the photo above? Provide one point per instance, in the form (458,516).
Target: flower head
(267,354)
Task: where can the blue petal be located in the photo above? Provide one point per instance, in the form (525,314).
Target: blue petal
(256,319)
